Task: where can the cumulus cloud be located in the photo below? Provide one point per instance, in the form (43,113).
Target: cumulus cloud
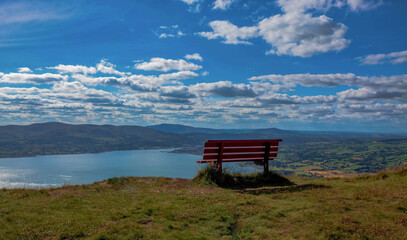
(24,70)
(74,69)
(75,92)
(394,58)
(194,56)
(231,33)
(302,35)
(223,89)
(277,98)
(18,78)
(375,88)
(331,80)
(356,5)
(324,5)
(222,4)
(189,2)
(312,80)
(169,31)
(369,94)
(165,65)
(178,75)
(107,67)
(296,32)
(137,82)
(177,92)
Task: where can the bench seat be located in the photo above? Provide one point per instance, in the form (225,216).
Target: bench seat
(219,151)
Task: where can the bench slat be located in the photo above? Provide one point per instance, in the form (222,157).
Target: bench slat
(239,150)
(234,160)
(240,155)
(244,141)
(241,144)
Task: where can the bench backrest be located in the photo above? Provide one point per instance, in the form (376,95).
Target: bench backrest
(240,150)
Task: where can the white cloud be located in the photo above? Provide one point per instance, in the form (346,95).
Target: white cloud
(74,69)
(164,97)
(222,4)
(223,89)
(189,2)
(23,12)
(376,88)
(313,80)
(356,5)
(324,5)
(137,82)
(169,32)
(178,75)
(24,70)
(194,56)
(294,34)
(277,98)
(46,78)
(230,32)
(331,80)
(165,35)
(165,65)
(394,58)
(107,67)
(177,92)
(374,94)
(302,35)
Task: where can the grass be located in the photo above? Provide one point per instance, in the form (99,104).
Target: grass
(365,207)
(228,179)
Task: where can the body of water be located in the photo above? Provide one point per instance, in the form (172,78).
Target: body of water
(57,170)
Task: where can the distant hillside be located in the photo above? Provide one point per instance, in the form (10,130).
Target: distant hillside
(289,137)
(178,128)
(61,138)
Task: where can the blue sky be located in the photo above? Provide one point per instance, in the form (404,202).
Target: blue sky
(337,65)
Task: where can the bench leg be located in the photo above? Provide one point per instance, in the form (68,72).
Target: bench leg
(220,166)
(266,167)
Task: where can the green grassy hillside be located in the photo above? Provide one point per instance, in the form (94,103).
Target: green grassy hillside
(366,207)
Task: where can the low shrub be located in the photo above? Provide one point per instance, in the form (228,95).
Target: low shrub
(117,181)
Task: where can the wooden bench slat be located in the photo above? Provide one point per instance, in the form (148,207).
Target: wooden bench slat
(233,160)
(239,150)
(240,155)
(244,141)
(242,144)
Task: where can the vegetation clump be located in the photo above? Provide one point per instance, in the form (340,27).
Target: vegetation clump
(211,175)
(117,181)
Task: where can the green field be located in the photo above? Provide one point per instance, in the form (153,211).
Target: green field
(366,207)
(349,157)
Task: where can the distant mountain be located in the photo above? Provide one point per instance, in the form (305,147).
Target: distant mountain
(61,138)
(177,128)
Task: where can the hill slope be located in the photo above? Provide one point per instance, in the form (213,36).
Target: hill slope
(367,207)
(61,138)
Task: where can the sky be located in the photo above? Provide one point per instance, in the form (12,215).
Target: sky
(320,65)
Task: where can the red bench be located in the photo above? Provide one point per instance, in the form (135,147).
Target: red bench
(219,151)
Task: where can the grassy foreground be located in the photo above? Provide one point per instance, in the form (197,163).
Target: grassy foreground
(367,207)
